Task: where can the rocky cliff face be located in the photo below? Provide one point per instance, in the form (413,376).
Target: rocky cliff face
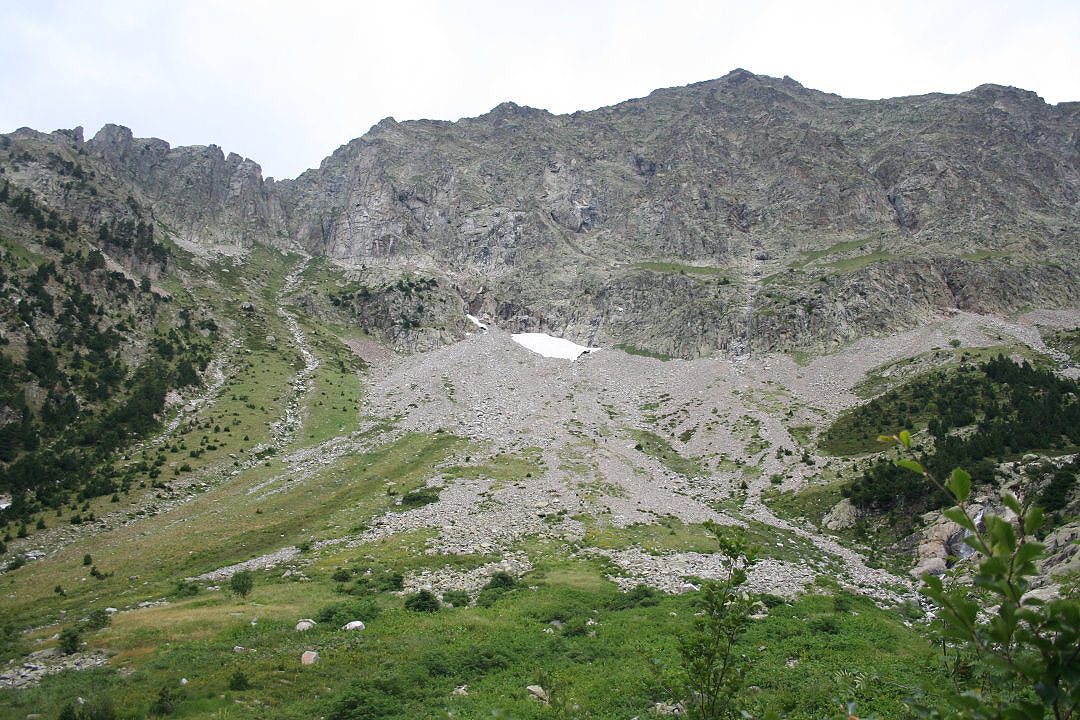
(198,194)
(744,213)
(202,195)
(698,173)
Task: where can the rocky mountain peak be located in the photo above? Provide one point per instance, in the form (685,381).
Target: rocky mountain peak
(112,136)
(509,109)
(738,76)
(992,92)
(74,134)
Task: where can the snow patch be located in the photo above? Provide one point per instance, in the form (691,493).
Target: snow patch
(549,346)
(476,321)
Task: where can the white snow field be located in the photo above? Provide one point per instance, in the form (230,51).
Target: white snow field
(549,346)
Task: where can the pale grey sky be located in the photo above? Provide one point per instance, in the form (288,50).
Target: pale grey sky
(284,83)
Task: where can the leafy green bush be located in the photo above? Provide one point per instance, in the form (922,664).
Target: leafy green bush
(711,671)
(638,596)
(241,583)
(166,702)
(362,587)
(375,583)
(497,585)
(501,580)
(239,681)
(391,582)
(423,601)
(97,619)
(70,640)
(11,640)
(771,601)
(575,627)
(343,612)
(824,624)
(95,709)
(1010,655)
(185,588)
(371,699)
(488,597)
(457,598)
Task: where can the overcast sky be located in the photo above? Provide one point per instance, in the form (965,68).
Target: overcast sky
(285,83)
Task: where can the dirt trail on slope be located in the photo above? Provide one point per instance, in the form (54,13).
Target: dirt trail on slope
(286,429)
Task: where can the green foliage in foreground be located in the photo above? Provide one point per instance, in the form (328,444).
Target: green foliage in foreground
(1010,656)
(711,671)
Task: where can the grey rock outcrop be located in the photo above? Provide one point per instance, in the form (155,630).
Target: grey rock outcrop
(202,194)
(842,516)
(939,543)
(1062,552)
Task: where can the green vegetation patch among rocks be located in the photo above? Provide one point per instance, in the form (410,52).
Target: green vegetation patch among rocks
(652,444)
(1012,408)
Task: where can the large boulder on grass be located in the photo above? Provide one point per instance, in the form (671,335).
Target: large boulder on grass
(537,693)
(842,516)
(305,624)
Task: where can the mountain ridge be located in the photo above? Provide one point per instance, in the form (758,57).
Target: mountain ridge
(78,132)
(584,224)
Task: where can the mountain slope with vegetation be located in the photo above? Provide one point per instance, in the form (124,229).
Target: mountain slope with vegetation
(257,460)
